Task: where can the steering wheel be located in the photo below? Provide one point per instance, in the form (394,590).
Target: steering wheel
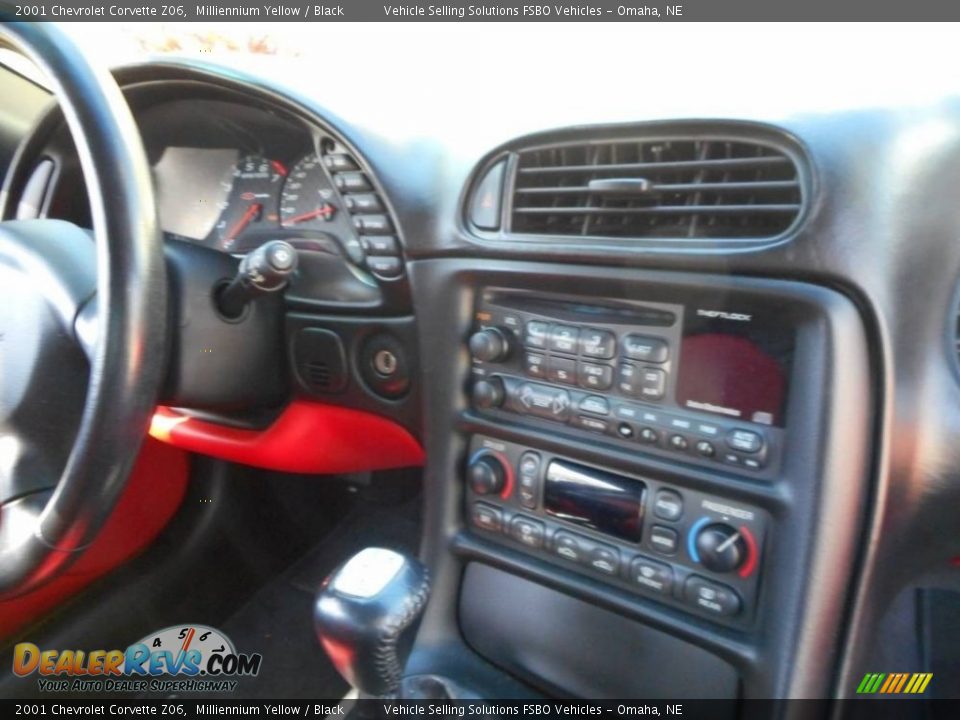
(82,330)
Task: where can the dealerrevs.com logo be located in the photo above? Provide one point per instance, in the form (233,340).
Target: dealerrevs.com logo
(181,658)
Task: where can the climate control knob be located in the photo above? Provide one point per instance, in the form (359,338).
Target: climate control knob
(488,393)
(490,345)
(486,475)
(721,547)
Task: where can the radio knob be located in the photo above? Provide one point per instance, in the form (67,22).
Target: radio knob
(486,475)
(488,393)
(721,547)
(490,345)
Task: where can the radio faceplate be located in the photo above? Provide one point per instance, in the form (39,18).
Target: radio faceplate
(681,547)
(690,383)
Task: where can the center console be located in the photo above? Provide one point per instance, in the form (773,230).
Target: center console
(622,456)
(696,383)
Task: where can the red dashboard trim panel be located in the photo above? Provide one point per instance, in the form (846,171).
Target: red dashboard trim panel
(307,437)
(157,485)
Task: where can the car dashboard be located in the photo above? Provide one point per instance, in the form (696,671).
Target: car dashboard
(685,384)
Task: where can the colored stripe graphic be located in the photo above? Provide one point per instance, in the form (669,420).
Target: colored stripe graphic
(894,683)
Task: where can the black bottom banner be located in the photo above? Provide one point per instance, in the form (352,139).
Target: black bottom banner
(882,709)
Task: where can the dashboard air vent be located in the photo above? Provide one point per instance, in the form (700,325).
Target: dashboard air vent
(693,188)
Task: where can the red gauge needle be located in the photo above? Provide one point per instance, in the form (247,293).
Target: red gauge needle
(324,211)
(250,213)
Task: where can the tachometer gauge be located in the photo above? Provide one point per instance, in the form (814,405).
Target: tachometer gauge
(307,198)
(251,203)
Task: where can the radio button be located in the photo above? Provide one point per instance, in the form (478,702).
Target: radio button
(626,412)
(652,383)
(535,365)
(488,393)
(537,334)
(752,463)
(527,531)
(605,559)
(647,349)
(744,440)
(668,505)
(651,417)
(491,344)
(595,404)
(487,517)
(708,429)
(562,370)
(569,547)
(564,339)
(710,597)
(651,575)
(649,436)
(598,344)
(664,540)
(595,377)
(678,442)
(625,430)
(706,448)
(590,423)
(542,401)
(628,379)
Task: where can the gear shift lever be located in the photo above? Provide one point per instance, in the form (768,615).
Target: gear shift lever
(366,617)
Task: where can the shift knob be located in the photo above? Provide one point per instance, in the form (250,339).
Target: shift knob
(366,616)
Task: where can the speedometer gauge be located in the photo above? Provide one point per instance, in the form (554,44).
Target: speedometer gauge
(254,185)
(306,201)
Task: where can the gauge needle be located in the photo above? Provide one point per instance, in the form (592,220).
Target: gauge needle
(325,211)
(250,213)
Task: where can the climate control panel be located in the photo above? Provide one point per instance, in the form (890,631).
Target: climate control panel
(686,548)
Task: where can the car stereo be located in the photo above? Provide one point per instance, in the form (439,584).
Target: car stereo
(683,547)
(701,381)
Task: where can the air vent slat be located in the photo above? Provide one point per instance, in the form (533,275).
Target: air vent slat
(676,188)
(659,210)
(748,163)
(679,187)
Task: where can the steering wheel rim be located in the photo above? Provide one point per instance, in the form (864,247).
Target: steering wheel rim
(42,533)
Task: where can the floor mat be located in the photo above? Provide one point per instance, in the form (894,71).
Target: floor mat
(278,621)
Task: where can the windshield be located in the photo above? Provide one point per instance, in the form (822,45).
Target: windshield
(441,75)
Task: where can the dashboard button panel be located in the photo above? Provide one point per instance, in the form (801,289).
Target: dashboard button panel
(651,575)
(647,349)
(574,363)
(692,550)
(599,344)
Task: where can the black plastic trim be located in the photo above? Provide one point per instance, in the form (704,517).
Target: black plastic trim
(817,505)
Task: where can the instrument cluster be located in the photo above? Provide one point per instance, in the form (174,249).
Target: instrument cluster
(235,201)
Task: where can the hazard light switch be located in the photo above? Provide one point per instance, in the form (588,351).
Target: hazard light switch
(485,205)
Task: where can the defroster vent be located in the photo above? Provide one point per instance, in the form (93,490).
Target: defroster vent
(676,188)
